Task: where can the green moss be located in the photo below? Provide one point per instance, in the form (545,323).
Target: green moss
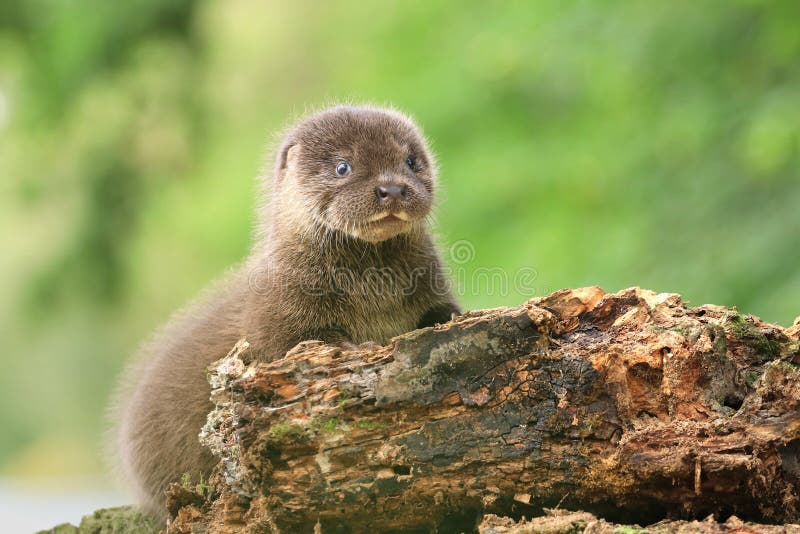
(120,520)
(720,341)
(739,327)
(752,378)
(201,488)
(630,530)
(286,431)
(679,329)
(786,369)
(746,332)
(66,528)
(326,425)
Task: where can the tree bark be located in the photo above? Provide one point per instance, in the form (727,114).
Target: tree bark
(564,522)
(631,406)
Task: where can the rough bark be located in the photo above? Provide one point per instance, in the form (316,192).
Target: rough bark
(564,522)
(127,520)
(631,406)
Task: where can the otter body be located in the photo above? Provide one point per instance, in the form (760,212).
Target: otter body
(344,256)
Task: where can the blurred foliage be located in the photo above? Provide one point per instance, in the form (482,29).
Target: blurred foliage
(624,143)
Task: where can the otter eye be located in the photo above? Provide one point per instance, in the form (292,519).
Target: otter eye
(411,162)
(343,168)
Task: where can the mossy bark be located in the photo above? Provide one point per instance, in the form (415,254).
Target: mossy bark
(632,406)
(119,520)
(565,522)
(128,520)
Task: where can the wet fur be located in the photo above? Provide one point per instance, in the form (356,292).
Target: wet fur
(294,286)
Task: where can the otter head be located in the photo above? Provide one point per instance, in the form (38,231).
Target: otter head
(363,171)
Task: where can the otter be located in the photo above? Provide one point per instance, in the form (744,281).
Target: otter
(342,254)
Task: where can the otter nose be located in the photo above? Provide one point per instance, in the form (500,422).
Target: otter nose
(391,192)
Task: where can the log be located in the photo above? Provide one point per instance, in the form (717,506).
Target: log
(631,406)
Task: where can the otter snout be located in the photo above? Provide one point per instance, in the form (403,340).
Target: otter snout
(391,194)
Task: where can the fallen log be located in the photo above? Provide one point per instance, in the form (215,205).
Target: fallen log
(631,406)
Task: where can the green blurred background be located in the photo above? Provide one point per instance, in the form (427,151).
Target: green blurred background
(611,143)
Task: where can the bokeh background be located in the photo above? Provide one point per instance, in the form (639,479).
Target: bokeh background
(611,143)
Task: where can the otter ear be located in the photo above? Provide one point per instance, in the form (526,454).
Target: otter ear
(288,154)
(292,155)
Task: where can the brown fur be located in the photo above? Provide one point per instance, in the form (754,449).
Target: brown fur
(319,270)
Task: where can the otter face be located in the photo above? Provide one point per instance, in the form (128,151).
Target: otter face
(363,171)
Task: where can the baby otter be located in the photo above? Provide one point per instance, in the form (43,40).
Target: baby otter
(344,256)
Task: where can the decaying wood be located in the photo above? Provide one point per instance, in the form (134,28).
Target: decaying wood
(563,522)
(631,406)
(129,520)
